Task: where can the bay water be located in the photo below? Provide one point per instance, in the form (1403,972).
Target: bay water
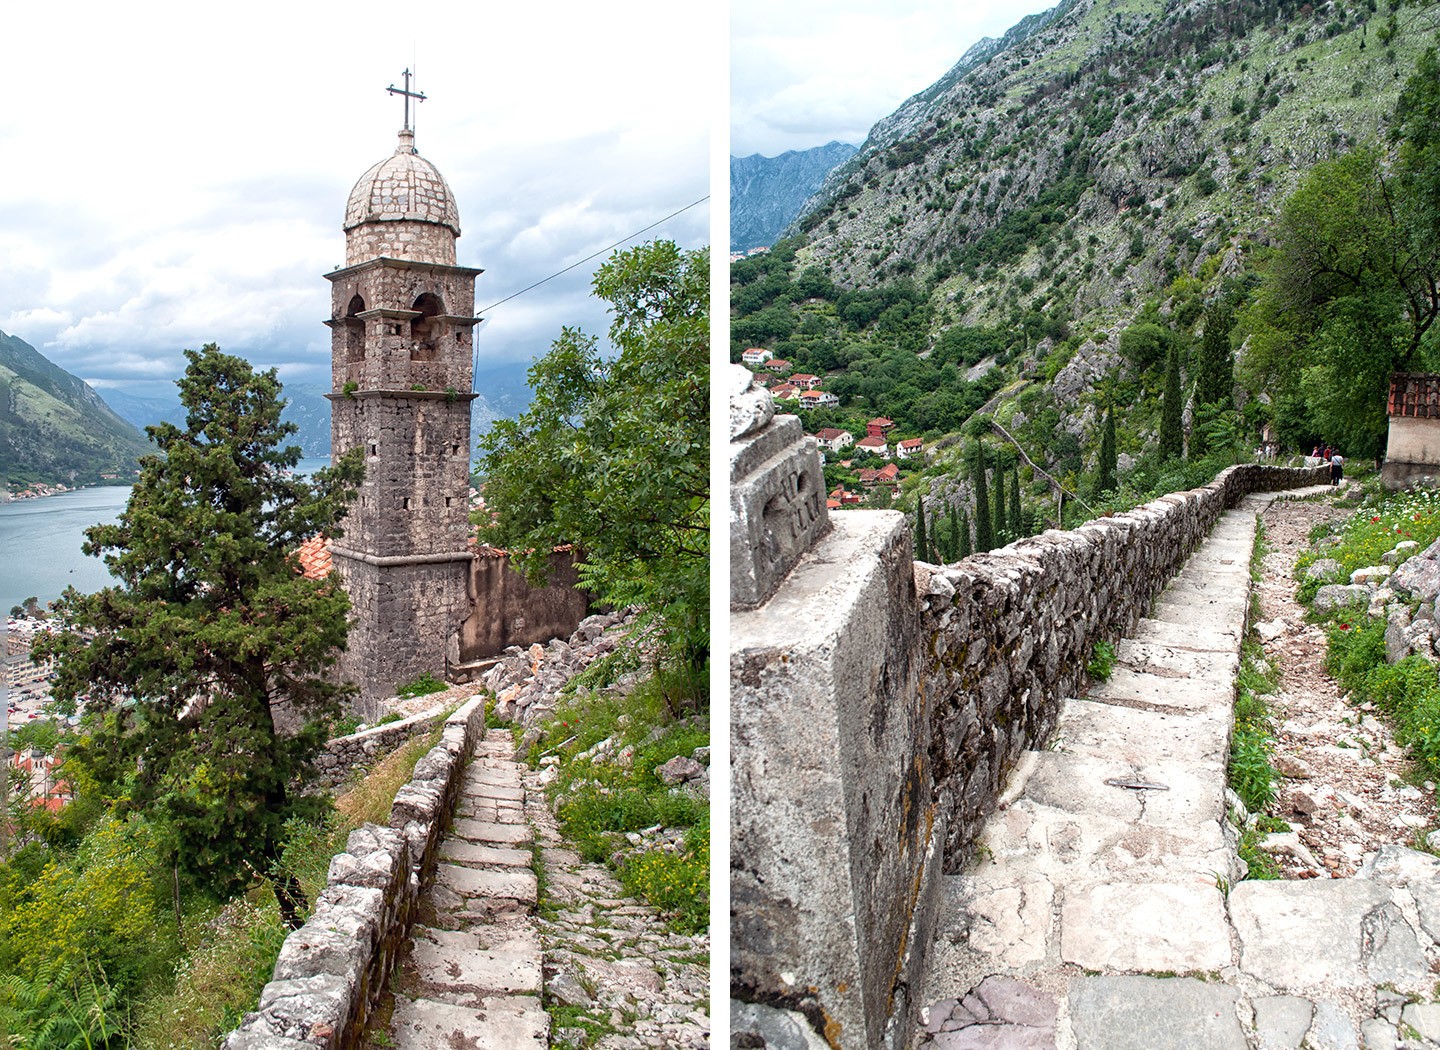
(40,541)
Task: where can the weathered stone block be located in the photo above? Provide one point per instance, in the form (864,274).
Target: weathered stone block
(830,817)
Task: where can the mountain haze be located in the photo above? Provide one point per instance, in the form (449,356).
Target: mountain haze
(767,193)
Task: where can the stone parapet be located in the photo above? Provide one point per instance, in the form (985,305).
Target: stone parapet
(331,971)
(1007,634)
(343,753)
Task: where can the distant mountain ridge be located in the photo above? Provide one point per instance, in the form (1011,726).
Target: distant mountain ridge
(503,393)
(767,193)
(54,428)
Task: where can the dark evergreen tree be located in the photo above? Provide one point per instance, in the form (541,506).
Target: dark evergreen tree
(1014,517)
(952,538)
(1001,526)
(964,550)
(1105,480)
(984,531)
(922,542)
(209,628)
(1171,444)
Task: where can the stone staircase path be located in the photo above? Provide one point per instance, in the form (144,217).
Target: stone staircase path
(471,978)
(1105,909)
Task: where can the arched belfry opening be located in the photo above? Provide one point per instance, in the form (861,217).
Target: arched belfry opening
(354,329)
(424,330)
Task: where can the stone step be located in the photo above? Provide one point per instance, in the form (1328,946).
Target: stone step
(1030,838)
(1215,637)
(1168,661)
(516,885)
(1166,694)
(495,833)
(467,976)
(481,855)
(1135,735)
(499,1023)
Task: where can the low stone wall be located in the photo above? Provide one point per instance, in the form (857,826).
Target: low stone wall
(1006,635)
(331,971)
(343,753)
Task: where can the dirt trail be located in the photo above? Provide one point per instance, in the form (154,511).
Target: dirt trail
(1348,788)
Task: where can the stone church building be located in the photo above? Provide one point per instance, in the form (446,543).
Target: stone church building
(425,596)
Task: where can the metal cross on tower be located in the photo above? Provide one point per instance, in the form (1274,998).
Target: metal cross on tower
(416,95)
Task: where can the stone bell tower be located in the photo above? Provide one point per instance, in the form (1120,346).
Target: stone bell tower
(402,316)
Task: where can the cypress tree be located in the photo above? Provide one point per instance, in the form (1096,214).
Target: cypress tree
(922,547)
(1172,438)
(952,531)
(964,549)
(1105,473)
(1215,369)
(1001,526)
(1017,523)
(984,533)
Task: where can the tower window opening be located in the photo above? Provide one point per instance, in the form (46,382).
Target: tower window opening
(424,330)
(404,502)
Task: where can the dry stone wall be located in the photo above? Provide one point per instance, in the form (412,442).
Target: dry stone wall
(343,753)
(1006,635)
(331,971)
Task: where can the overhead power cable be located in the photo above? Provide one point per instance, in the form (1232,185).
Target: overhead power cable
(601,252)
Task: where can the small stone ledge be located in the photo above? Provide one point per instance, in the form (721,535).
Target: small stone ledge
(331,971)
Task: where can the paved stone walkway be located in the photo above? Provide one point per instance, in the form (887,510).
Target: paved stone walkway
(482,965)
(471,978)
(1105,909)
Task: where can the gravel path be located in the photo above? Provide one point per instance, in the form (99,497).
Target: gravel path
(1348,786)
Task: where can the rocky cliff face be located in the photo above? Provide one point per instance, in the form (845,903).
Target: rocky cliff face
(767,193)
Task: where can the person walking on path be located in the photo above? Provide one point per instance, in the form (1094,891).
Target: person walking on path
(1337,469)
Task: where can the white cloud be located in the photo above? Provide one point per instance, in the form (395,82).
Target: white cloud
(807,72)
(185,168)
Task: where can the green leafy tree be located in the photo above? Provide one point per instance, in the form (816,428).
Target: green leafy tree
(210,629)
(1171,444)
(613,452)
(1352,291)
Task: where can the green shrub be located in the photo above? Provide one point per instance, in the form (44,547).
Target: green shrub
(422,686)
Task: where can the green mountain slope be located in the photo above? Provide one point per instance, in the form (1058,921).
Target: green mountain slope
(54,428)
(1117,165)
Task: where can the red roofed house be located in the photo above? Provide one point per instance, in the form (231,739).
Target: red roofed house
(756,355)
(888,474)
(785,392)
(818,399)
(873,443)
(778,366)
(879,426)
(805,381)
(835,440)
(909,447)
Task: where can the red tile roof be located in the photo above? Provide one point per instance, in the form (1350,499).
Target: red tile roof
(314,558)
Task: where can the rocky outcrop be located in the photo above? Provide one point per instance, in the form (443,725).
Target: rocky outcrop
(527,682)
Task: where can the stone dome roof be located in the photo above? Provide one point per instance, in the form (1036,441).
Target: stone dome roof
(403,186)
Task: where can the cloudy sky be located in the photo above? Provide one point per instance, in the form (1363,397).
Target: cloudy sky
(807,72)
(176,173)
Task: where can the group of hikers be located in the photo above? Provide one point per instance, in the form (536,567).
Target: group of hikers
(1336,461)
